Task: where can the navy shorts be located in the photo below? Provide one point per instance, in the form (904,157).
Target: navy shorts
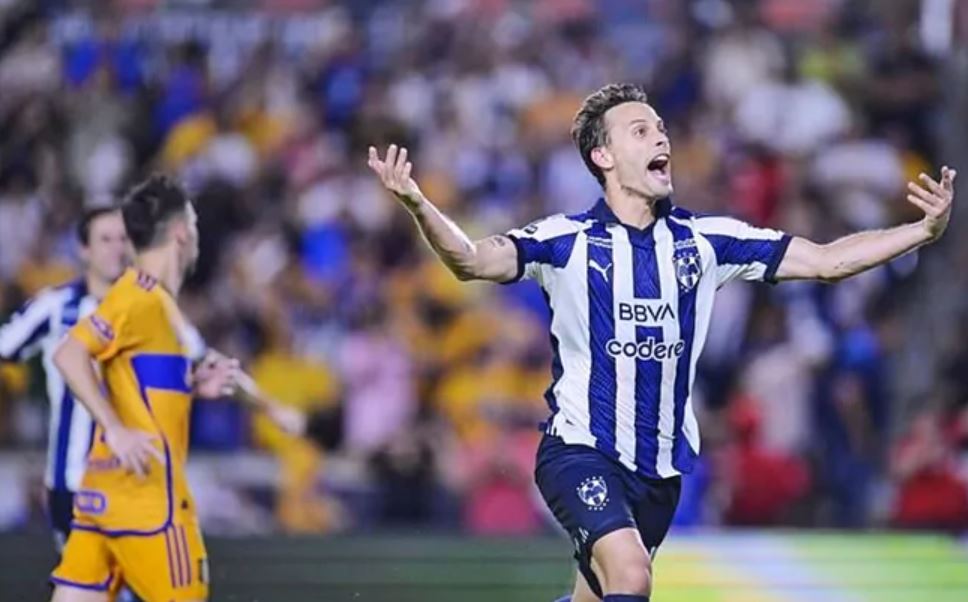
(60,511)
(592,495)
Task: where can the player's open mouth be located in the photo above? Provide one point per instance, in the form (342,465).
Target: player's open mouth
(659,166)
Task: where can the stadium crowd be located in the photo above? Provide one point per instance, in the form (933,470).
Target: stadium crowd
(808,117)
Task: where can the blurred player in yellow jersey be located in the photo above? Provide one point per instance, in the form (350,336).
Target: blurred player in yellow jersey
(134,517)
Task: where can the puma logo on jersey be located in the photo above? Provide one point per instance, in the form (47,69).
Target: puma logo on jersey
(598,268)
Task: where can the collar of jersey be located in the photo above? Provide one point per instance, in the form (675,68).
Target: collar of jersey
(603,214)
(80,287)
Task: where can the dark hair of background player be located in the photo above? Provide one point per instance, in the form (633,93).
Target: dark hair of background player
(588,129)
(89,217)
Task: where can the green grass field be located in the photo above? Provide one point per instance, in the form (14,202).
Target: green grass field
(782,567)
(749,566)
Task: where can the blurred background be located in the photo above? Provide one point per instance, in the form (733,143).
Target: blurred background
(839,408)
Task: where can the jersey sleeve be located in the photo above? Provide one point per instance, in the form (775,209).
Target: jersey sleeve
(194,342)
(110,329)
(743,251)
(545,243)
(22,335)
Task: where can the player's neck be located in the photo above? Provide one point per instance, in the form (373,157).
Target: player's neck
(160,265)
(631,209)
(97,287)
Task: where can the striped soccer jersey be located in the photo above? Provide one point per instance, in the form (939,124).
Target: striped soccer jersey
(38,328)
(630,313)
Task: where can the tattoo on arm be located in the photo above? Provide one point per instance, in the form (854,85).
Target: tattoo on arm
(498,240)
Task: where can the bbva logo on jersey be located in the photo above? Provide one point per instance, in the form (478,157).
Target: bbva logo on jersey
(688,264)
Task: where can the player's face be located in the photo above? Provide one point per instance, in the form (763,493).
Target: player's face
(107,252)
(638,150)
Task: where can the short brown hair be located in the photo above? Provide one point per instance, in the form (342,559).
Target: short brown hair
(588,129)
(149,206)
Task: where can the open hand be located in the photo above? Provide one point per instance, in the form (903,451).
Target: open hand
(394,172)
(216,376)
(133,448)
(935,200)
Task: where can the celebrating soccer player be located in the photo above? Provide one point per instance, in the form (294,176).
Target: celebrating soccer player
(630,284)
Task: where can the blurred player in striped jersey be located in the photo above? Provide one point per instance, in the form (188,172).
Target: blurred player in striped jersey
(630,284)
(37,328)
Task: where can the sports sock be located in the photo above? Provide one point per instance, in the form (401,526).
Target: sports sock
(625,598)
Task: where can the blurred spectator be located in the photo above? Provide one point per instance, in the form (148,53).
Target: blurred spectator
(31,65)
(902,87)
(739,58)
(786,352)
(380,401)
(408,478)
(931,494)
(790,114)
(21,217)
(763,485)
(499,476)
(834,57)
(185,90)
(862,179)
(308,385)
(848,447)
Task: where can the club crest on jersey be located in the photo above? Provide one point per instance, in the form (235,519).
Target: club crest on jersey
(688,270)
(594,493)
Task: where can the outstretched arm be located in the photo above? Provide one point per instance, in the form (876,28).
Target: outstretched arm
(288,419)
(217,375)
(859,252)
(494,258)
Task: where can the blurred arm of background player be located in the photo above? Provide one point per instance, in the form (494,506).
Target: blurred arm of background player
(494,258)
(217,374)
(858,252)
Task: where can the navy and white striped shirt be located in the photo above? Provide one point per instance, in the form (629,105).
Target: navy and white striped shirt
(630,313)
(38,328)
